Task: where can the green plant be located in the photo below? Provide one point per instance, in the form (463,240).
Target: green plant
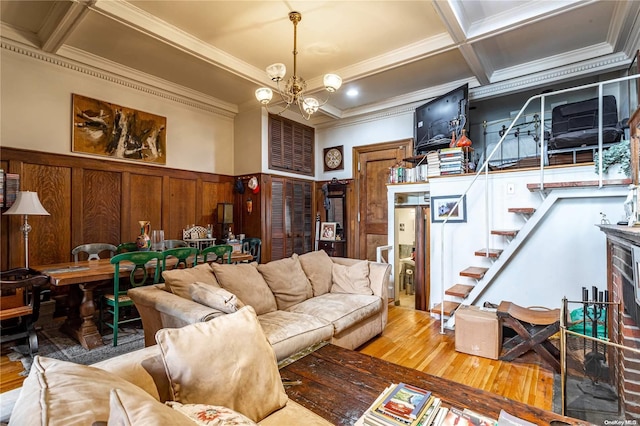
(616,154)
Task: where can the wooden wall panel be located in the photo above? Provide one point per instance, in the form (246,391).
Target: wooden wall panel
(182,194)
(4,235)
(50,238)
(212,194)
(102,193)
(145,194)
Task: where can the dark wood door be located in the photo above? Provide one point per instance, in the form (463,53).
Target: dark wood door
(422,278)
(291,217)
(373,163)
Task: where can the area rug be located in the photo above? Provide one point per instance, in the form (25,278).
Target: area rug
(55,344)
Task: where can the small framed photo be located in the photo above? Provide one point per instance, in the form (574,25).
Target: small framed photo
(328,231)
(441,207)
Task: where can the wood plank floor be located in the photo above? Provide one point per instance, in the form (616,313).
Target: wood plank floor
(412,339)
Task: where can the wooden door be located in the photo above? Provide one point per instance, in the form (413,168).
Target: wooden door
(423,254)
(372,165)
(291,217)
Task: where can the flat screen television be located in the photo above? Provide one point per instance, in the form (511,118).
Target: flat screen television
(438,118)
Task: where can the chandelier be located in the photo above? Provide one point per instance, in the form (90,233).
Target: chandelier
(295,86)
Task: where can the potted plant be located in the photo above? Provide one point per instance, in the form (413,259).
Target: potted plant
(618,153)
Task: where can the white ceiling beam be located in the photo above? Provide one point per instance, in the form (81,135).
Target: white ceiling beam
(624,31)
(63,17)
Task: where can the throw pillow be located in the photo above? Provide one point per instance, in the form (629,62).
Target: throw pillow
(211,415)
(353,279)
(215,297)
(57,393)
(178,280)
(226,361)
(129,409)
(287,281)
(317,266)
(245,281)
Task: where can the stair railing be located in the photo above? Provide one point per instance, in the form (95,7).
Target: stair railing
(485,167)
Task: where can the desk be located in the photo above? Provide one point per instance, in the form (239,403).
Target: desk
(331,373)
(83,277)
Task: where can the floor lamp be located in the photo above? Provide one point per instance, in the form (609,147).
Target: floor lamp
(27,203)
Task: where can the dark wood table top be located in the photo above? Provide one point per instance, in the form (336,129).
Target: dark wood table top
(340,385)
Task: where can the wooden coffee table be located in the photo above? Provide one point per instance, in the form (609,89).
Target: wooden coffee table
(340,385)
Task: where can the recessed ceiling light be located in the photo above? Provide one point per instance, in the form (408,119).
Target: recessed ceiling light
(352,92)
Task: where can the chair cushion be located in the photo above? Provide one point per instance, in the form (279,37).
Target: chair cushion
(215,297)
(290,332)
(128,409)
(240,366)
(317,266)
(244,280)
(353,279)
(287,281)
(56,393)
(178,280)
(342,310)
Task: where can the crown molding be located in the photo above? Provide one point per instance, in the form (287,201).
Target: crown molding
(79,61)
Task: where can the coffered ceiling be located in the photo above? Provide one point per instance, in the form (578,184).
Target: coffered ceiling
(392,52)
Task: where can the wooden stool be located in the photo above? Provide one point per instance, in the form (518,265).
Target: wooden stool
(534,328)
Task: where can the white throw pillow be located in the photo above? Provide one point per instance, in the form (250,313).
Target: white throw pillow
(215,297)
(353,279)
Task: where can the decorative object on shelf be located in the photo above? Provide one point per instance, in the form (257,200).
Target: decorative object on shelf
(103,128)
(328,231)
(333,159)
(617,154)
(295,87)
(463,141)
(27,203)
(442,206)
(143,241)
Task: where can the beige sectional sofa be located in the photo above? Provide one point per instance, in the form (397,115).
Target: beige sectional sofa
(299,300)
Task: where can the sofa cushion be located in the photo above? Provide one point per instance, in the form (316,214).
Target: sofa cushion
(317,266)
(211,415)
(342,310)
(226,361)
(215,297)
(287,281)
(294,414)
(290,332)
(178,280)
(245,281)
(128,409)
(56,393)
(353,279)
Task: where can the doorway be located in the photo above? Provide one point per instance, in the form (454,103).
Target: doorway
(404,256)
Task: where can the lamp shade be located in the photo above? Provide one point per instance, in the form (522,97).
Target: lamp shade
(332,82)
(27,203)
(264,95)
(276,72)
(225,213)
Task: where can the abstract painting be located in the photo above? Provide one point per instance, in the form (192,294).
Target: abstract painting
(103,128)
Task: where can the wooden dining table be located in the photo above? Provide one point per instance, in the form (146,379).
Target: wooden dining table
(82,278)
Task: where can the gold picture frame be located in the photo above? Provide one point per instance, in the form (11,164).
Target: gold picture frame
(110,130)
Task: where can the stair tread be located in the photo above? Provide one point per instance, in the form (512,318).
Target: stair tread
(507,232)
(525,210)
(577,184)
(492,252)
(449,307)
(459,290)
(474,272)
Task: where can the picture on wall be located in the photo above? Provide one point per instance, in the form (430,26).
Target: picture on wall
(328,231)
(103,128)
(442,206)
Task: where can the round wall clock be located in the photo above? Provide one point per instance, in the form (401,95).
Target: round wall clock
(333,159)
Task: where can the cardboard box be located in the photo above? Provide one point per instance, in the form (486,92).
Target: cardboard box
(478,332)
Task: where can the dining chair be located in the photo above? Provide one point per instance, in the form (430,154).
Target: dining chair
(219,251)
(20,291)
(182,254)
(127,247)
(253,247)
(169,244)
(93,250)
(138,276)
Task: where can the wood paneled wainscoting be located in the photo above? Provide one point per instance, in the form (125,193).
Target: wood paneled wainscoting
(96,200)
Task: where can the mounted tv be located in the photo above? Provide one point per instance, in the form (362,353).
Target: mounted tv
(437,119)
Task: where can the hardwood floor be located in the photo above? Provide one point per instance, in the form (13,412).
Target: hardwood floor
(412,339)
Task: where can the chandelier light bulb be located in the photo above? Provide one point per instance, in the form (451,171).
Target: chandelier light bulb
(276,72)
(332,82)
(264,95)
(310,105)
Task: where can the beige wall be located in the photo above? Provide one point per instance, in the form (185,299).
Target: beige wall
(35,111)
(248,146)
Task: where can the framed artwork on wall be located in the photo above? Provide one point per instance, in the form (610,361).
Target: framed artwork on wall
(328,231)
(442,206)
(105,129)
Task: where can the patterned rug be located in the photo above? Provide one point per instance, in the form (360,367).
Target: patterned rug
(55,344)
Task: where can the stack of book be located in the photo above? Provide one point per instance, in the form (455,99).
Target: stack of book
(401,405)
(433,164)
(451,161)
